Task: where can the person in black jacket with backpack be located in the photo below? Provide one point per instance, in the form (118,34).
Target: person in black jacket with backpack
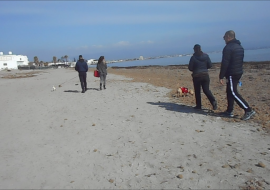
(199,64)
(82,68)
(232,70)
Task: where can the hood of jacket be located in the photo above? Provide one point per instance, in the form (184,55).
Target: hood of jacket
(200,57)
(199,63)
(234,41)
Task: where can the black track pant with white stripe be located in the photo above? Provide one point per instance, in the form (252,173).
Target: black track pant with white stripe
(233,95)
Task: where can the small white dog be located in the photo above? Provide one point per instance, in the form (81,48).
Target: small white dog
(53,88)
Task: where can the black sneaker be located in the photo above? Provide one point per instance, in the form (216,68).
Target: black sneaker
(83,91)
(248,115)
(227,114)
(215,105)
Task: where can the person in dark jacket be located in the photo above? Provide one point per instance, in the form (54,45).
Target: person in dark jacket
(232,70)
(82,68)
(102,69)
(199,64)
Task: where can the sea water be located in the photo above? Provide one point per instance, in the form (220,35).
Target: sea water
(216,57)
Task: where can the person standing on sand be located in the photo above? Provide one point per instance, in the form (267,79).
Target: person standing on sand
(82,68)
(232,69)
(199,64)
(102,69)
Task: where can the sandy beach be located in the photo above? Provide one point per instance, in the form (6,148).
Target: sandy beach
(133,135)
(255,90)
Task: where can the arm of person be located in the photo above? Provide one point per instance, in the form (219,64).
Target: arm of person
(209,63)
(226,57)
(86,67)
(76,67)
(191,64)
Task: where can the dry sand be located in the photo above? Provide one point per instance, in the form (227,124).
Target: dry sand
(255,88)
(129,136)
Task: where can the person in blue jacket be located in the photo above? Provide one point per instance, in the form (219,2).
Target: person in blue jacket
(82,68)
(199,64)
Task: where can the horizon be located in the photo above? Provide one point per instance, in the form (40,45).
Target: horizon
(128,29)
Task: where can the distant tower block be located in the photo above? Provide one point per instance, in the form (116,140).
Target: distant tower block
(141,58)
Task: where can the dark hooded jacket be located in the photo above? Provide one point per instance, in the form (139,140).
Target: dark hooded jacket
(199,64)
(81,66)
(232,59)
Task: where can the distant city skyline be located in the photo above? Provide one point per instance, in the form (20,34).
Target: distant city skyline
(128,29)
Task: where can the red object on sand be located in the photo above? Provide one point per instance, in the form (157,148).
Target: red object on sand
(184,90)
(96,73)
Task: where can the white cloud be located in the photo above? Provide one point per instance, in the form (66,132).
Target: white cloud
(146,42)
(97,46)
(122,43)
(81,47)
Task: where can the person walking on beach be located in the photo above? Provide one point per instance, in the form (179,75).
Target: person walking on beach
(232,70)
(199,64)
(102,69)
(82,68)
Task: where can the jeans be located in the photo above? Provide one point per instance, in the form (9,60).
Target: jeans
(82,76)
(204,82)
(102,78)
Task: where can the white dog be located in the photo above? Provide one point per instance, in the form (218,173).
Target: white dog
(53,88)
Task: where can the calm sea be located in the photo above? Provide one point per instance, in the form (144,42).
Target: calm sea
(250,55)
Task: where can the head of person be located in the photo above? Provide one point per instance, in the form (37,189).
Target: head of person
(101,58)
(80,57)
(197,49)
(228,36)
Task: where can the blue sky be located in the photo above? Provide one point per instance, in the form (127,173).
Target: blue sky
(128,29)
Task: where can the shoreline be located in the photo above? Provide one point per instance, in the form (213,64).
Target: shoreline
(254,64)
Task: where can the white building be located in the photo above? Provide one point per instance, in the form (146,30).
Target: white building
(141,58)
(92,62)
(72,64)
(11,61)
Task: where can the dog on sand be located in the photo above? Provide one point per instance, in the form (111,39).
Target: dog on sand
(183,91)
(53,89)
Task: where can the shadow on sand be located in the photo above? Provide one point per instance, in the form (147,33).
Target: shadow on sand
(74,91)
(77,91)
(178,108)
(97,89)
(186,109)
